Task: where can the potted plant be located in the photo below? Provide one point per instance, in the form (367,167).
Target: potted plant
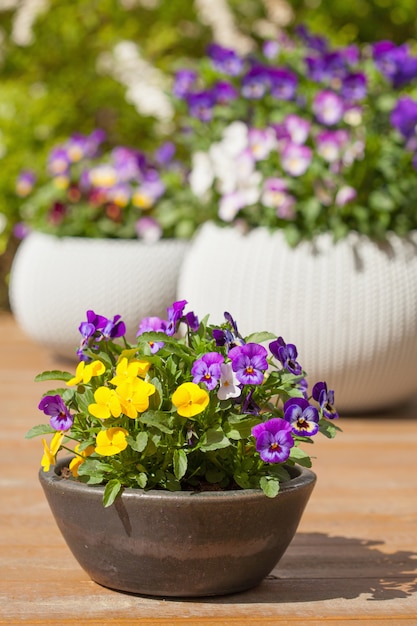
(188,472)
(306,156)
(114,213)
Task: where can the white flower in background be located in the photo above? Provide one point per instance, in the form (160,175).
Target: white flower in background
(218,16)
(24,18)
(147,87)
(201,176)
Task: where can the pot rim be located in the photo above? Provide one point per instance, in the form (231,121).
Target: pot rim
(302,477)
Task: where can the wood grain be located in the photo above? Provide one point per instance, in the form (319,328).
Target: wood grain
(353,560)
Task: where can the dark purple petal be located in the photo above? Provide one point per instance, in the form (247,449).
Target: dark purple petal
(325,398)
(175,313)
(286,354)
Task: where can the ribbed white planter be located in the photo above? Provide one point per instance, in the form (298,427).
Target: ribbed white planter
(350,308)
(54,281)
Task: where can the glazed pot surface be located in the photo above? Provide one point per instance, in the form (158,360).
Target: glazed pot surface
(178,544)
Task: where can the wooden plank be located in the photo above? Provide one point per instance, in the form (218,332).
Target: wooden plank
(353,560)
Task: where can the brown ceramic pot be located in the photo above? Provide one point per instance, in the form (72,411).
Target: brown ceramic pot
(177,544)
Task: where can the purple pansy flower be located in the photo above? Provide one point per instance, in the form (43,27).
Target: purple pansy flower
(328,107)
(152,324)
(175,313)
(229,337)
(184,80)
(354,87)
(225,60)
(192,321)
(283,83)
(114,328)
(200,105)
(287,354)
(303,417)
(273,440)
(255,83)
(55,408)
(224,92)
(325,398)
(93,324)
(249,405)
(404,116)
(207,369)
(249,362)
(395,62)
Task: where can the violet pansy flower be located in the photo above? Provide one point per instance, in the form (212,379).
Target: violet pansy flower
(249,362)
(207,370)
(273,440)
(325,398)
(287,354)
(55,408)
(152,324)
(303,417)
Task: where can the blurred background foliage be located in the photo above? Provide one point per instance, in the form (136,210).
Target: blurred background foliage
(72,65)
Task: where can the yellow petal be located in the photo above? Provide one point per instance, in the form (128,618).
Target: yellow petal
(190,400)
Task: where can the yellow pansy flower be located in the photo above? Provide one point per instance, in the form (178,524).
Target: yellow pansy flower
(80,458)
(127,371)
(51,451)
(190,400)
(106,404)
(85,372)
(111,441)
(134,396)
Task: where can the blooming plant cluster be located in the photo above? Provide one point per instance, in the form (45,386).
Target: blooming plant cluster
(304,136)
(120,193)
(189,406)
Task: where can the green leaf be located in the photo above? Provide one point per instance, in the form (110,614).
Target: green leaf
(53,375)
(158,419)
(111,491)
(140,443)
(300,457)
(260,337)
(328,429)
(142,480)
(270,486)
(42,429)
(180,463)
(214,439)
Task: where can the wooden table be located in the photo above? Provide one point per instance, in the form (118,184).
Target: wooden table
(353,560)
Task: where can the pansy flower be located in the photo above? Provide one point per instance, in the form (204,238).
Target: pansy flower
(273,440)
(303,417)
(207,369)
(325,398)
(229,385)
(190,400)
(287,354)
(60,417)
(249,362)
(111,441)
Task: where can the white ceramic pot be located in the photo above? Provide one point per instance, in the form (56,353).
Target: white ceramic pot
(350,308)
(54,281)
